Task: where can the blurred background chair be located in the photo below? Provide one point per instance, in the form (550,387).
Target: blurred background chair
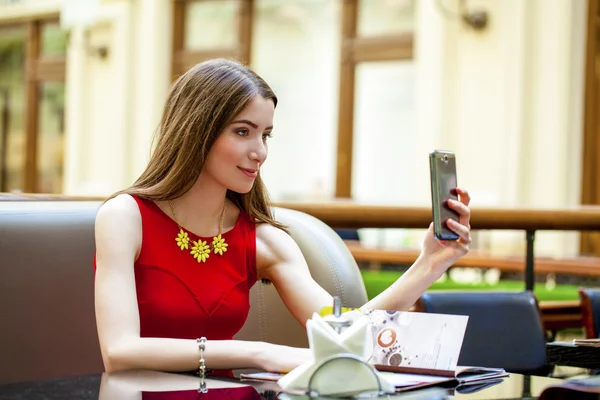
(504,328)
(590,311)
(348,234)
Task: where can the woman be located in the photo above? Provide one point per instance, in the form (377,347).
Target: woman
(178,251)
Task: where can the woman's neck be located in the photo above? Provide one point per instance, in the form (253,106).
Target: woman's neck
(202,204)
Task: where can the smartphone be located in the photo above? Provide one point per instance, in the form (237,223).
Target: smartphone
(442,168)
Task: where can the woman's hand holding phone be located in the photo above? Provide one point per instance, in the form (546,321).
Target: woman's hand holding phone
(441,254)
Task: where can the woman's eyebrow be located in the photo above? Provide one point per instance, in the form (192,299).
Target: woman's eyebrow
(245,121)
(252,124)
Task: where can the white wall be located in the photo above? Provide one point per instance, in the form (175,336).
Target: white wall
(114,103)
(150,72)
(507,100)
(99,103)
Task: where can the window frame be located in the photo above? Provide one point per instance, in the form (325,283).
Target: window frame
(355,50)
(38,70)
(183,58)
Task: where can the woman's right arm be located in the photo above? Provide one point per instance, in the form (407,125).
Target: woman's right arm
(118,232)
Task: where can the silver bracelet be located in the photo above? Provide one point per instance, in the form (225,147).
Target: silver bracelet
(202,365)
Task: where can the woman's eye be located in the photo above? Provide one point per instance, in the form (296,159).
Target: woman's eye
(267,136)
(242,132)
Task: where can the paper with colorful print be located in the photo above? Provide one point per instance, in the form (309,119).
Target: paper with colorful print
(416,340)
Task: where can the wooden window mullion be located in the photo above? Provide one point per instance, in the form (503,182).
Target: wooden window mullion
(4,115)
(245,30)
(32,108)
(590,187)
(178,37)
(343,182)
(384,48)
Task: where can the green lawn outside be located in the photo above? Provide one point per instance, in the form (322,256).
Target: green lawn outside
(377,281)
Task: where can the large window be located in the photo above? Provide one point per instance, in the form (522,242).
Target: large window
(32,73)
(343,70)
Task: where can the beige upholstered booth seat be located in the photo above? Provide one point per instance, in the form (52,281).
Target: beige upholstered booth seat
(331,265)
(46,287)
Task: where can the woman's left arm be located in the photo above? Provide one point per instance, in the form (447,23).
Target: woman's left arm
(435,258)
(279,260)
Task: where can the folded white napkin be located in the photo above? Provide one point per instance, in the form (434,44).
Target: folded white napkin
(336,372)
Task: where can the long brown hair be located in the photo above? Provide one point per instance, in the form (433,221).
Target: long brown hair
(200,104)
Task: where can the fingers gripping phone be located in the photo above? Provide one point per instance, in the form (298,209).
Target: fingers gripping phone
(442,168)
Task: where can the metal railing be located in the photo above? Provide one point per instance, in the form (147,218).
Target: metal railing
(353,215)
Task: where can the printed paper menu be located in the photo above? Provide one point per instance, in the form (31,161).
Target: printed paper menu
(416,340)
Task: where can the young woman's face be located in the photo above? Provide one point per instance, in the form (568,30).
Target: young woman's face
(238,153)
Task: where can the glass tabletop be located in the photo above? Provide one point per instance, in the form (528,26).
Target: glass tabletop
(154,385)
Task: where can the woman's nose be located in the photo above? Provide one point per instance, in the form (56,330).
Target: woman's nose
(259,152)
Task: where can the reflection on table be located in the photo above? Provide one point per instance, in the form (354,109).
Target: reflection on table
(152,385)
(137,385)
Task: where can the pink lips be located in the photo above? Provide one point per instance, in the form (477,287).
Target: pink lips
(250,173)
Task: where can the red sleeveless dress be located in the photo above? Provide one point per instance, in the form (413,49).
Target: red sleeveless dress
(179,297)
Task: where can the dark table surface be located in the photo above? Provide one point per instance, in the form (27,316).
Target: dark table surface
(568,354)
(138,385)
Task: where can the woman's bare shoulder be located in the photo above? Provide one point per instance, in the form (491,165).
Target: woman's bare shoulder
(118,227)
(119,216)
(121,206)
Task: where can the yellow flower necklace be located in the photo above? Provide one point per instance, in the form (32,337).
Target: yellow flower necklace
(200,249)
